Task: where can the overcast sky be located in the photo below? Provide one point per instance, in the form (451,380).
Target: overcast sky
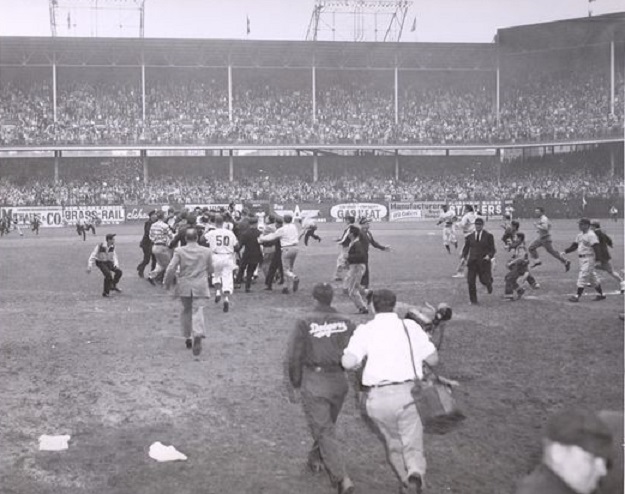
(436,20)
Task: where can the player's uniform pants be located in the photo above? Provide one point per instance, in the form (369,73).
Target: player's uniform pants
(354,288)
(548,245)
(223,271)
(341,263)
(478,268)
(587,274)
(449,236)
(392,410)
(163,255)
(323,393)
(192,316)
(112,275)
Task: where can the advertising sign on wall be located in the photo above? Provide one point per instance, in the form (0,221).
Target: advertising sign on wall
(369,210)
(50,216)
(107,215)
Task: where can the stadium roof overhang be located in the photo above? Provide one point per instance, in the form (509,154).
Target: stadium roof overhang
(28,51)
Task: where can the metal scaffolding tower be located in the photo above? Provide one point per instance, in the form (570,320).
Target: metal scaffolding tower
(97,18)
(358,20)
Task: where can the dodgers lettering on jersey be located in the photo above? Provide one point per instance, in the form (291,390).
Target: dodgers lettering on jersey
(585,241)
(327,329)
(221,241)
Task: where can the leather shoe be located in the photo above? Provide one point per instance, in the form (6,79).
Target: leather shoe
(489,288)
(197,345)
(415,482)
(188,343)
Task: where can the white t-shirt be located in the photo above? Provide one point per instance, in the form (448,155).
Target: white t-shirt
(585,241)
(221,241)
(287,234)
(385,344)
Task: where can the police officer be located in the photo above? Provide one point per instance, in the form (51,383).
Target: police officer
(314,365)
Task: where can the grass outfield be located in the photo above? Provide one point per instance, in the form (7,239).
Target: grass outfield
(114,373)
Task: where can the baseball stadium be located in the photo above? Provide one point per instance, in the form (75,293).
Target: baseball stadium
(389,143)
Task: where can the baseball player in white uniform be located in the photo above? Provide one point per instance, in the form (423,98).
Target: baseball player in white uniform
(448,218)
(222,242)
(467,224)
(586,244)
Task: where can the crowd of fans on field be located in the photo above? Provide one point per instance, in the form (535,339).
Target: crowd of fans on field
(556,106)
(120,181)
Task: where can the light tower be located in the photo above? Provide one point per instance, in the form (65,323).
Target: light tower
(93,18)
(357,20)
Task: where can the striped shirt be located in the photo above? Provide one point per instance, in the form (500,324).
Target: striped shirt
(160,233)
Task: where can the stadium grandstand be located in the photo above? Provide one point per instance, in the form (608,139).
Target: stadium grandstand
(199,120)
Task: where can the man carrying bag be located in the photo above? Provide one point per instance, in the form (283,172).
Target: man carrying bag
(388,379)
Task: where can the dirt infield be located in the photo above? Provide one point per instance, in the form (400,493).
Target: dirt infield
(114,373)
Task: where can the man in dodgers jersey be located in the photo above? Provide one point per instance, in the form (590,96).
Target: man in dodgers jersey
(448,218)
(587,246)
(222,242)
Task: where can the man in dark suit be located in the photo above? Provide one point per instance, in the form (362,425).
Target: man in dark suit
(251,255)
(478,251)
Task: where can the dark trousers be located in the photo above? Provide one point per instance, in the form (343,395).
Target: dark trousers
(146,247)
(246,269)
(482,269)
(365,277)
(112,275)
(275,267)
(323,394)
(310,233)
(511,281)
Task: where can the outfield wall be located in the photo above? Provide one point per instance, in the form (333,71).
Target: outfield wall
(375,211)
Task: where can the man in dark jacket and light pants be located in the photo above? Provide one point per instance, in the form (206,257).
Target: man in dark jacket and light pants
(479,251)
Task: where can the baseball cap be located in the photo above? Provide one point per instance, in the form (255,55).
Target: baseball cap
(109,236)
(479,220)
(323,292)
(584,221)
(595,224)
(583,429)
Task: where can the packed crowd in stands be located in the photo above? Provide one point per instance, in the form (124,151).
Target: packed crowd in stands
(120,181)
(557,106)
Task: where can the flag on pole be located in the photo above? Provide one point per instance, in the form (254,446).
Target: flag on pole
(414,25)
(248,25)
(69,21)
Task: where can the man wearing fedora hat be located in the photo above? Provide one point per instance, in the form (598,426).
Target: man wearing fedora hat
(479,251)
(577,447)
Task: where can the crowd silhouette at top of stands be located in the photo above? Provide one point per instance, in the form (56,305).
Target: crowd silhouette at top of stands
(119,181)
(459,109)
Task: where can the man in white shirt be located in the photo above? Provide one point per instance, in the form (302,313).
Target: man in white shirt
(160,236)
(388,377)
(222,243)
(289,241)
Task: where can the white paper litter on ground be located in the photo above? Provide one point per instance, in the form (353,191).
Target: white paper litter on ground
(160,452)
(53,443)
